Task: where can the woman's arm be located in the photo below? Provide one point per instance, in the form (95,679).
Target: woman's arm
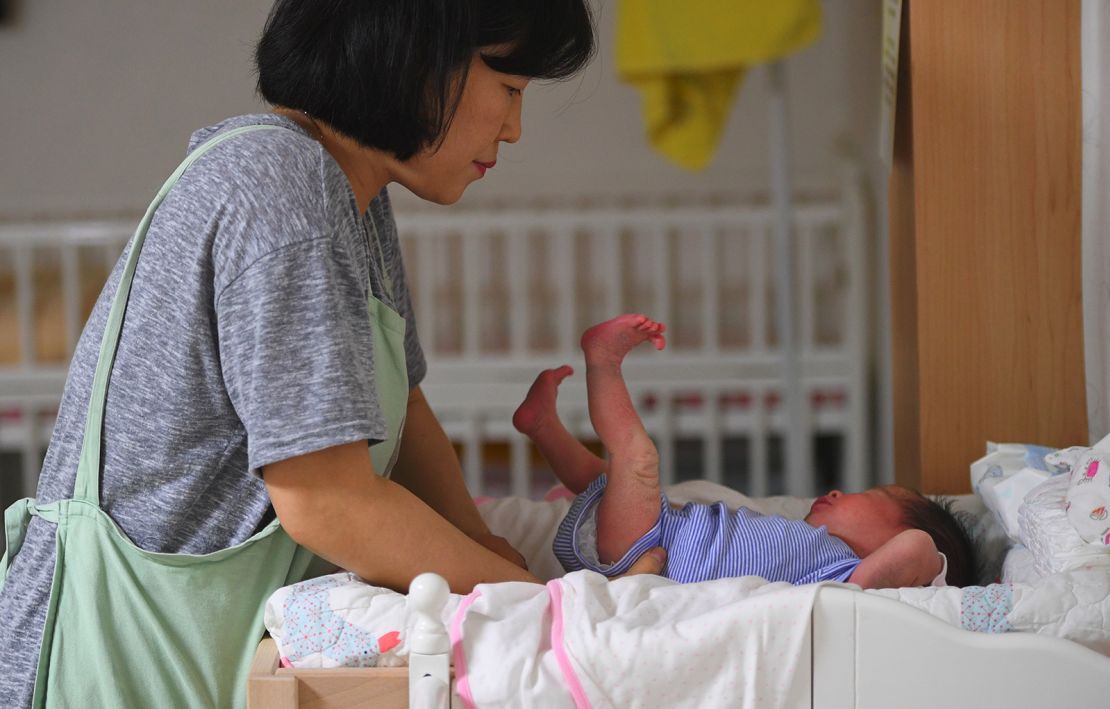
(909,558)
(428,467)
(333,503)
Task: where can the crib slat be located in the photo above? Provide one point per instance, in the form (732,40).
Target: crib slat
(24,302)
(518,247)
(804,480)
(521,468)
(564,288)
(611,271)
(449,291)
(712,436)
(30,453)
(472,454)
(664,435)
(473,248)
(426,281)
(71,296)
(760,474)
(658,246)
(806,237)
(757,278)
(710,290)
(111,254)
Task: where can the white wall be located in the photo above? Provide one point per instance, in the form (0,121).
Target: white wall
(99,98)
(1096,212)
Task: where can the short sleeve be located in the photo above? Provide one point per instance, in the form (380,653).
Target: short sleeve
(841,571)
(833,569)
(296,352)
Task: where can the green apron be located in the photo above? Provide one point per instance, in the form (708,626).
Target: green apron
(127,627)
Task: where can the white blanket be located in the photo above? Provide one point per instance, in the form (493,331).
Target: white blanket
(584,641)
(625,642)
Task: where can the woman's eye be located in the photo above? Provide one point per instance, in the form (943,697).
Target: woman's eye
(513,91)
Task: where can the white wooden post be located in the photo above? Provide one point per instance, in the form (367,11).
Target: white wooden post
(429,644)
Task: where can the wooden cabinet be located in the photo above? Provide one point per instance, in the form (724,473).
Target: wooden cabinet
(985,204)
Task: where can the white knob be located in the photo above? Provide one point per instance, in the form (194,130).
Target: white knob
(428,593)
(427,597)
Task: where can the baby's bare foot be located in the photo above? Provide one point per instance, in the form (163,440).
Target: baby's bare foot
(538,406)
(607,343)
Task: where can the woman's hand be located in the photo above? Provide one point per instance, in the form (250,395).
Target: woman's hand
(501,547)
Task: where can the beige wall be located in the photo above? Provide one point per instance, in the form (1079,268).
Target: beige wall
(98,98)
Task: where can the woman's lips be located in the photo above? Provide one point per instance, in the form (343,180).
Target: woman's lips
(483,166)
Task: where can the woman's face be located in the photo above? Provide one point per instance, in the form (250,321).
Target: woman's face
(487,115)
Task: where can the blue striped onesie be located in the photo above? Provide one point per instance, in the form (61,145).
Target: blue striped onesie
(705,542)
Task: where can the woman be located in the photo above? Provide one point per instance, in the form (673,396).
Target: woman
(268,337)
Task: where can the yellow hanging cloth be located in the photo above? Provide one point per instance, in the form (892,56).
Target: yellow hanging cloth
(688,56)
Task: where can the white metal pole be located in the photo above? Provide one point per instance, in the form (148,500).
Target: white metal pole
(1095,228)
(795,439)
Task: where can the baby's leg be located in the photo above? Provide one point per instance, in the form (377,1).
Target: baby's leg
(630,506)
(573,463)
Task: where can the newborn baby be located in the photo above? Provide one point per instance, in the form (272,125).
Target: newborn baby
(884,537)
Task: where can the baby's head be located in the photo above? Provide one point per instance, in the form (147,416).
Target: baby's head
(867,520)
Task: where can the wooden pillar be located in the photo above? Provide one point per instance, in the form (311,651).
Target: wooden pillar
(985,234)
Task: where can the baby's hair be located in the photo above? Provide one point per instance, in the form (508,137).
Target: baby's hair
(949,533)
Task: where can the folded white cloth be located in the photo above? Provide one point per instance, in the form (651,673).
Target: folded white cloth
(1047,532)
(1005,475)
(1088,496)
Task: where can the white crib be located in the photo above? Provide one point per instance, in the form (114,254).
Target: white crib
(501,293)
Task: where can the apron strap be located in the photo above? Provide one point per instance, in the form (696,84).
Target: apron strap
(87,486)
(386,279)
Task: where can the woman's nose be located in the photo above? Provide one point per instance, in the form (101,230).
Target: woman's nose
(511,128)
(835,494)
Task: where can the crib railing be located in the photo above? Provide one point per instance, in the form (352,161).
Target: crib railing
(50,275)
(501,294)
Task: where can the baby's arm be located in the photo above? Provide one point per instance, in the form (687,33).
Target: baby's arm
(909,558)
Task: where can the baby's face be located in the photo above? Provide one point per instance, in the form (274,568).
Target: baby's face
(863,520)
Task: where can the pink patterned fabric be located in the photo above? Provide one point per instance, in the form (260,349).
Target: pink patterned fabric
(569,675)
(462,681)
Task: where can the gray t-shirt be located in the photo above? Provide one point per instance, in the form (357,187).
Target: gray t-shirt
(246,342)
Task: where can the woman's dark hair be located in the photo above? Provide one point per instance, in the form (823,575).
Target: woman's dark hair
(949,533)
(389,73)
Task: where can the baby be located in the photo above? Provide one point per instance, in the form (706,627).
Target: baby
(885,537)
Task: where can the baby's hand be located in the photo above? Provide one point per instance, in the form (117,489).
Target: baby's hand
(909,558)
